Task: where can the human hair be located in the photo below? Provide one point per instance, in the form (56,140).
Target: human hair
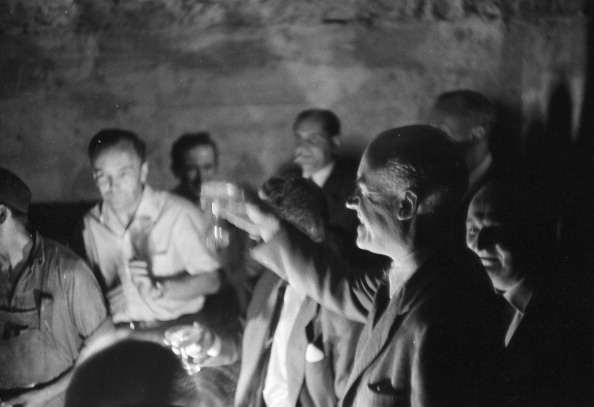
(130,372)
(424,159)
(327,118)
(300,202)
(473,106)
(188,141)
(110,137)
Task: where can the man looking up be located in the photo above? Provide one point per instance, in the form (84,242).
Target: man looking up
(147,246)
(468,118)
(428,340)
(547,334)
(194,160)
(50,304)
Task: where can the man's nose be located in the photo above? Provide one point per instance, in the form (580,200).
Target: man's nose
(352,201)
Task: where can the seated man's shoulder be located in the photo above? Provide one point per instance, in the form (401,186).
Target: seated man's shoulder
(62,259)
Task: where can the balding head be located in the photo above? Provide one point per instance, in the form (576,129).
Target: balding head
(409,189)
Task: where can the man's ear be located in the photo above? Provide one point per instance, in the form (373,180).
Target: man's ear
(478,134)
(407,208)
(143,172)
(335,143)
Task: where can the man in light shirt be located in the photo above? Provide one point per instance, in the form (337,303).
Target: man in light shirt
(147,246)
(546,332)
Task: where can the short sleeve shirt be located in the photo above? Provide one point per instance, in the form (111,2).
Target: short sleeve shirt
(168,232)
(78,305)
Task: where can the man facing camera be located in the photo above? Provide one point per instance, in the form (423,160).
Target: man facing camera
(50,305)
(428,339)
(147,246)
(194,160)
(317,135)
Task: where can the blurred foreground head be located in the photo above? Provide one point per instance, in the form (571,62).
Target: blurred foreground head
(131,373)
(300,202)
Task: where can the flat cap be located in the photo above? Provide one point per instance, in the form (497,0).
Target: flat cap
(14,192)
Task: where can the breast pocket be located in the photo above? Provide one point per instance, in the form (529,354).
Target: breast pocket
(382,394)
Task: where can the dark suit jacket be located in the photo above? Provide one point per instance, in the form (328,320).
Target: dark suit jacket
(318,384)
(548,360)
(433,344)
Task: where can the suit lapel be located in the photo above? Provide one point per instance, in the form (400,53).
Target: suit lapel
(385,317)
(296,349)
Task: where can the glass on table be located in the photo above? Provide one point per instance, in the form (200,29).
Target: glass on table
(191,343)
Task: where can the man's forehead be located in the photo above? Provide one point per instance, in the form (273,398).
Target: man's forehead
(201,152)
(122,153)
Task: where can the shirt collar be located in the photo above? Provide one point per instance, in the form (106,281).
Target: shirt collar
(519,295)
(37,253)
(321,176)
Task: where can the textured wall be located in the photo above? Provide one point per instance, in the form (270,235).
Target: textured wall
(243,69)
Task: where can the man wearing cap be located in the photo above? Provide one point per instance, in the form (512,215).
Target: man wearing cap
(50,304)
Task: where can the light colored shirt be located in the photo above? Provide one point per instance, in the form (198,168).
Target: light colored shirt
(276,389)
(320,177)
(519,297)
(166,231)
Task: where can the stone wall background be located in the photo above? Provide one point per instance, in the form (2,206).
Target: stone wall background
(244,69)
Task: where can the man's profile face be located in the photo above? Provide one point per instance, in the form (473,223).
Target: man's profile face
(119,175)
(488,235)
(379,229)
(313,148)
(198,165)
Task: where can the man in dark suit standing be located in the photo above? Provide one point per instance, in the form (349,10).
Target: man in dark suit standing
(317,142)
(429,339)
(547,333)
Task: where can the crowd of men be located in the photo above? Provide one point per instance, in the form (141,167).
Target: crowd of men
(351,285)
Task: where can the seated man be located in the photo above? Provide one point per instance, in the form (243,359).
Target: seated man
(547,336)
(295,353)
(147,246)
(194,160)
(428,339)
(132,373)
(50,304)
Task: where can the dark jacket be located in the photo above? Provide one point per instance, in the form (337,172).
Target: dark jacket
(432,344)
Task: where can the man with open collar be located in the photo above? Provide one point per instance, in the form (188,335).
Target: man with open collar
(147,246)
